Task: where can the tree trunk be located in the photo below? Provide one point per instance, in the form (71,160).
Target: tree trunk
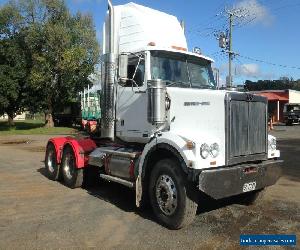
(49,121)
(10,120)
(48,116)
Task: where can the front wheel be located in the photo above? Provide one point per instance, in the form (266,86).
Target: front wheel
(172,198)
(73,177)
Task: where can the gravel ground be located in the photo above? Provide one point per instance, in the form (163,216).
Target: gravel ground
(38,213)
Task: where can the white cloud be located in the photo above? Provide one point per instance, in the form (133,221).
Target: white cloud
(255,12)
(250,70)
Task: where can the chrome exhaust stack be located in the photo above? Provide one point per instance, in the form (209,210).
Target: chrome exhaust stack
(108,83)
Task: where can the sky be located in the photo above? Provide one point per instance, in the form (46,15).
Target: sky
(266,37)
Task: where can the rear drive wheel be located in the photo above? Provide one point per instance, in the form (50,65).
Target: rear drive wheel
(73,177)
(51,165)
(172,198)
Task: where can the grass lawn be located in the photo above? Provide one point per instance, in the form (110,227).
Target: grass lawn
(30,127)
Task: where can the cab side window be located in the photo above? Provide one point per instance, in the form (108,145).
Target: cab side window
(135,71)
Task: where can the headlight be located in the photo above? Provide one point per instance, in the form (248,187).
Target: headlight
(214,150)
(204,150)
(272,144)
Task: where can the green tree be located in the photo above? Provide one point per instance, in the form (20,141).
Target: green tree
(280,84)
(61,52)
(64,52)
(13,62)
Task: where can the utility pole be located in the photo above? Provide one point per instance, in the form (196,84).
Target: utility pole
(230,53)
(225,40)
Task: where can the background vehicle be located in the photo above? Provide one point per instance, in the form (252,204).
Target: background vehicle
(69,115)
(291,113)
(165,130)
(90,109)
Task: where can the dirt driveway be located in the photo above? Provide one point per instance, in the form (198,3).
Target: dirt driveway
(39,213)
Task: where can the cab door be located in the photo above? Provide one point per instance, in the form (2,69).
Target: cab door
(131,110)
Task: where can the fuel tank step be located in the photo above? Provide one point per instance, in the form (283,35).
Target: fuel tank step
(117,180)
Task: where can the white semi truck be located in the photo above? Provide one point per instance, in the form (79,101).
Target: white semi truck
(166,132)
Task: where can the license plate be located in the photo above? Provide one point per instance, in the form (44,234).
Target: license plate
(249,186)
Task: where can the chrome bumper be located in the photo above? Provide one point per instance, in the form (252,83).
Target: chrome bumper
(228,181)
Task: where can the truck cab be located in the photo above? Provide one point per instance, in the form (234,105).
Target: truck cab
(165,130)
(177,70)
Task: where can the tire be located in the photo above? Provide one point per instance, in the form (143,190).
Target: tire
(168,180)
(73,177)
(253,198)
(51,165)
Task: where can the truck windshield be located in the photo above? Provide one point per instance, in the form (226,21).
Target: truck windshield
(181,70)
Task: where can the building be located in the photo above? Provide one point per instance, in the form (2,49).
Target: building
(277,99)
(19,117)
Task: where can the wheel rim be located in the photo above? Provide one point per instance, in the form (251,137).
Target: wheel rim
(51,161)
(166,194)
(69,166)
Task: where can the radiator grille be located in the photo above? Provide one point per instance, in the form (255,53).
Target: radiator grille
(246,128)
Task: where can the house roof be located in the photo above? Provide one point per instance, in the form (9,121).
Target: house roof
(273,96)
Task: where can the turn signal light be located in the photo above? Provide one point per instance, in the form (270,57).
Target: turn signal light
(190,144)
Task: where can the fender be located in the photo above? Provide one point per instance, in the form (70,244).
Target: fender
(170,141)
(81,149)
(58,143)
(174,142)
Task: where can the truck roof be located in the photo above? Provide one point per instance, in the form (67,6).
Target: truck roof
(160,48)
(135,26)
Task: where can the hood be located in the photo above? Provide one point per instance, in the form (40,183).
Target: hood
(197,113)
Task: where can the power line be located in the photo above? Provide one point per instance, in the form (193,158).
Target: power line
(212,20)
(266,62)
(218,56)
(286,6)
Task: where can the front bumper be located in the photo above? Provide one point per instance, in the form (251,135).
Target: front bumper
(228,181)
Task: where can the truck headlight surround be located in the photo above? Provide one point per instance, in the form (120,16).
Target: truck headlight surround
(272,144)
(214,149)
(204,150)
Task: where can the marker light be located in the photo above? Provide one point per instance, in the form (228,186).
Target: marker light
(178,48)
(190,144)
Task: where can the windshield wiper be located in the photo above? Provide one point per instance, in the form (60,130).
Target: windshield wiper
(171,83)
(204,87)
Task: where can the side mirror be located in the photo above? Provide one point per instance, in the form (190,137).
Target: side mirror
(123,64)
